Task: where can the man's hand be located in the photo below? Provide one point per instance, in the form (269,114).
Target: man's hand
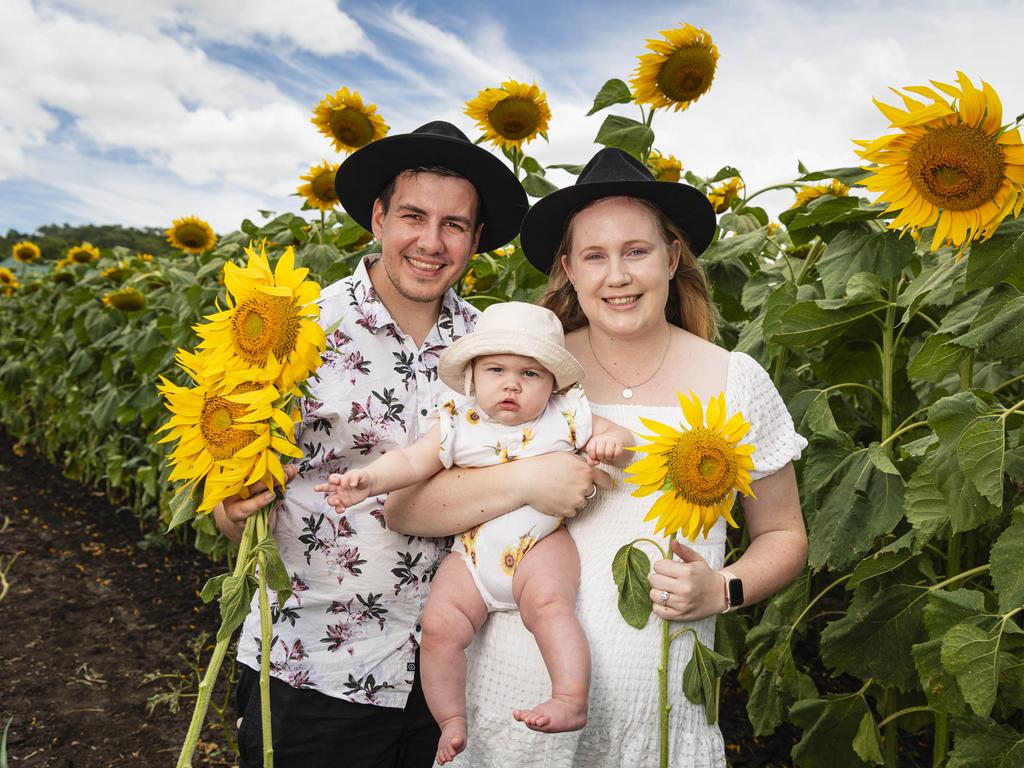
(231,514)
(346,490)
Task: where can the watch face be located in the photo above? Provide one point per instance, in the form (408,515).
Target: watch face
(735,592)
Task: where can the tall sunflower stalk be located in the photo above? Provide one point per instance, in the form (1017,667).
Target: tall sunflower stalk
(696,470)
(232,426)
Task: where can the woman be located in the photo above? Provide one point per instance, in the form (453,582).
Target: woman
(632,298)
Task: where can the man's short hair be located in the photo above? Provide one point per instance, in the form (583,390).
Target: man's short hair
(438,170)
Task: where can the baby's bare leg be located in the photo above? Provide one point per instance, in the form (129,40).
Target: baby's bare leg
(544,588)
(453,615)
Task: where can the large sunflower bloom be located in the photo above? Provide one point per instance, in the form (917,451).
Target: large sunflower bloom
(86,253)
(952,164)
(664,167)
(679,71)
(347,121)
(8,282)
(271,320)
(512,115)
(805,194)
(26,252)
(191,235)
(319,187)
(698,470)
(721,197)
(229,432)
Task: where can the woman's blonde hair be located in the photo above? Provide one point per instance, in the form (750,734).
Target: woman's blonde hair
(689,302)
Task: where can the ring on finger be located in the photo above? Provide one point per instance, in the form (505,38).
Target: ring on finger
(593,491)
(663,596)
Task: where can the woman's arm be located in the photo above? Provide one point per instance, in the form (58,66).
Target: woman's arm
(775,557)
(459,498)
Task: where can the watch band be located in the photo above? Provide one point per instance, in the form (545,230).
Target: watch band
(728,576)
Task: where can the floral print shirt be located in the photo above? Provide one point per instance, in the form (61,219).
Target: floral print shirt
(351,630)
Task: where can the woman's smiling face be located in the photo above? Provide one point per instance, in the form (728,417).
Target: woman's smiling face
(620,265)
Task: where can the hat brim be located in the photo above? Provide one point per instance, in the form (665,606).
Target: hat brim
(685,206)
(451,366)
(365,173)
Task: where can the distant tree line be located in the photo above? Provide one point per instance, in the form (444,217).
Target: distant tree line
(55,239)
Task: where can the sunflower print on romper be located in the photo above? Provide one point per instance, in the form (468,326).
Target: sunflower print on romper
(570,419)
(527,437)
(472,417)
(513,555)
(468,540)
(449,405)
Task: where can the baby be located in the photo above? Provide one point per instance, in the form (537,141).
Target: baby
(509,368)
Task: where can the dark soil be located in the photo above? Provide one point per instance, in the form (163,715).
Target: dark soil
(91,611)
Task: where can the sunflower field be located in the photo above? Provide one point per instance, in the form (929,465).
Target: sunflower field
(887,303)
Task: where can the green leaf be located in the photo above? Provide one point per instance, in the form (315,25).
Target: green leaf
(946,609)
(1006,558)
(629,569)
(830,726)
(877,565)
(848,176)
(723,173)
(183,507)
(881,253)
(274,569)
(701,678)
(736,247)
(575,170)
(936,358)
(538,186)
(625,134)
(1001,323)
(614,91)
(986,744)
(212,587)
(235,600)
(868,741)
(811,412)
(808,323)
(996,259)
(939,685)
(972,655)
(980,452)
(875,636)
(830,210)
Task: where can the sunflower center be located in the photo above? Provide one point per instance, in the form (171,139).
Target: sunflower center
(192,236)
(81,257)
(702,467)
(323,188)
(128,301)
(262,324)
(350,126)
(514,118)
(956,167)
(687,73)
(217,424)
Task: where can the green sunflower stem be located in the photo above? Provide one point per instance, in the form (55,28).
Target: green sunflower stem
(266,633)
(213,668)
(323,226)
(887,353)
(664,708)
(890,733)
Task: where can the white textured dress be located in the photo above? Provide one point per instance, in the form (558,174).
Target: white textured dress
(506,670)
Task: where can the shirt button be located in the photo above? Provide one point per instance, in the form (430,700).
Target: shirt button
(423,412)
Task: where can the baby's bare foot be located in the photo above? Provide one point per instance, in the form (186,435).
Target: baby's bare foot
(453,739)
(558,714)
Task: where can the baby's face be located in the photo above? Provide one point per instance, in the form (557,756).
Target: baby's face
(511,389)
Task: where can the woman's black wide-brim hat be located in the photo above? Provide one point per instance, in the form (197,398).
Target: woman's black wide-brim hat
(367,171)
(612,173)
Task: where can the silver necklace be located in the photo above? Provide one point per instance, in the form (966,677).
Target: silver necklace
(627,389)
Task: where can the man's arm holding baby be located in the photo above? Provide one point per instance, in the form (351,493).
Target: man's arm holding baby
(608,442)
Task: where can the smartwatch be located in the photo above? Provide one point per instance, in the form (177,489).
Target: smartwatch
(733,590)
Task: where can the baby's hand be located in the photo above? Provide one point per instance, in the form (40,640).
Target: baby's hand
(606,449)
(346,490)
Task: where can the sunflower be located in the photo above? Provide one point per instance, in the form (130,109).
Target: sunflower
(26,252)
(698,470)
(125,300)
(86,253)
(191,235)
(319,189)
(806,194)
(146,257)
(348,122)
(721,197)
(472,416)
(118,272)
(229,432)
(952,164)
(679,71)
(664,168)
(8,282)
(512,115)
(271,320)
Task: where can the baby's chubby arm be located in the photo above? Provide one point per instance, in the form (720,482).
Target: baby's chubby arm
(607,443)
(394,470)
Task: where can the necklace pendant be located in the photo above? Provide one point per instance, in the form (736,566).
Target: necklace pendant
(627,393)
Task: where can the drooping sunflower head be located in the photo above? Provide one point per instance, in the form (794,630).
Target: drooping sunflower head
(125,300)
(146,257)
(26,252)
(805,194)
(512,115)
(8,282)
(270,322)
(697,468)
(347,121)
(951,164)
(722,196)
(191,235)
(86,253)
(319,187)
(679,69)
(118,272)
(664,167)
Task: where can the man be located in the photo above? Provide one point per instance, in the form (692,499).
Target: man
(345,685)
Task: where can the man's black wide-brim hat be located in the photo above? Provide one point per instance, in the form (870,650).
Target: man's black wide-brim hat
(612,173)
(367,171)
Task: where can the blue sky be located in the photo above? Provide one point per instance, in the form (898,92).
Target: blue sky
(121,112)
